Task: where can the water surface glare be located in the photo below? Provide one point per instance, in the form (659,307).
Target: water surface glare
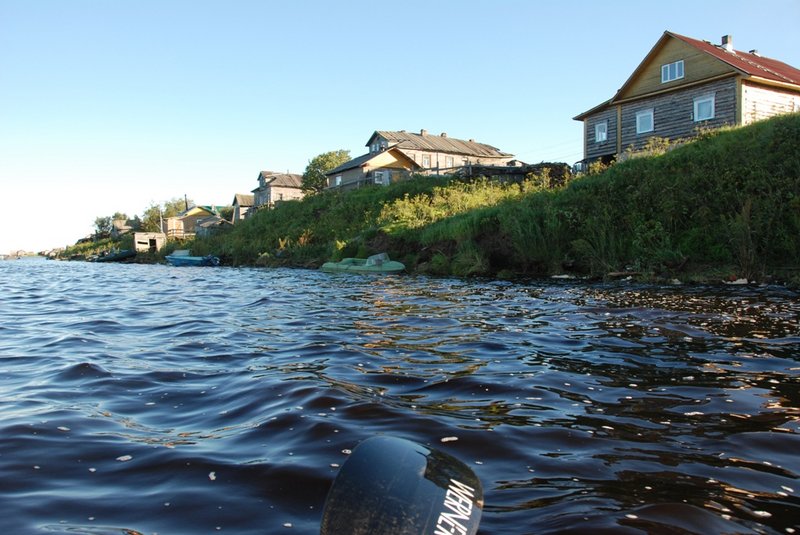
(150,399)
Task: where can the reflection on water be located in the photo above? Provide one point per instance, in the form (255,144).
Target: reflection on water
(171,400)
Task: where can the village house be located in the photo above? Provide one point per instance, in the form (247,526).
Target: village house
(242,203)
(184,225)
(395,156)
(684,86)
(384,168)
(276,187)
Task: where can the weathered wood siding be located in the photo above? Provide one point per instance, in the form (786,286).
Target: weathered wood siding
(359,176)
(673,113)
(438,160)
(762,102)
(593,149)
(697,66)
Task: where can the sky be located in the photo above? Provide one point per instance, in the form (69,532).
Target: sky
(112,106)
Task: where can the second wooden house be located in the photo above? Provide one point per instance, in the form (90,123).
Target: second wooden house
(395,155)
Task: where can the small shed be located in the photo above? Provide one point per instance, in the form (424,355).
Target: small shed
(149,242)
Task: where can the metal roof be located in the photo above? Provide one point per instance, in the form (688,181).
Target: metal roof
(441,143)
(287,180)
(750,63)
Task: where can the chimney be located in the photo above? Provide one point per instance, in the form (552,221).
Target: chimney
(727,42)
(423,132)
(444,134)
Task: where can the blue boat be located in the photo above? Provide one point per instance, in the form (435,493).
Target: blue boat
(182,257)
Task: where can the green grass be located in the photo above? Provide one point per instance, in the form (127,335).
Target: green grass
(728,202)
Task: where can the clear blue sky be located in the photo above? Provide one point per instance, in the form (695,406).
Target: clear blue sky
(112,105)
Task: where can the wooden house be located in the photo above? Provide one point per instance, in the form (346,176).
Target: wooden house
(184,224)
(242,203)
(206,226)
(684,86)
(438,153)
(276,187)
(395,155)
(382,168)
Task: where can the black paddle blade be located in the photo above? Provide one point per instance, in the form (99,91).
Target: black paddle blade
(391,486)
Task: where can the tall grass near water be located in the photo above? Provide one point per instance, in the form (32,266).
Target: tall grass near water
(729,201)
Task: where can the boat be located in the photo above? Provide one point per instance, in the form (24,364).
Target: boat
(379,263)
(181,257)
(115,256)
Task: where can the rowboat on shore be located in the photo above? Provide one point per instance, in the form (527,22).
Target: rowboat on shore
(379,263)
(181,257)
(115,256)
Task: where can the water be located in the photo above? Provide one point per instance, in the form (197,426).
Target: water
(150,399)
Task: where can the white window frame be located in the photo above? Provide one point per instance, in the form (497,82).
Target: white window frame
(601,132)
(449,162)
(640,116)
(698,102)
(672,71)
(378,177)
(426,161)
(338,180)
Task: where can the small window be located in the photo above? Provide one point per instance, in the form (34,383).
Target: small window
(601,132)
(338,180)
(448,161)
(378,179)
(644,121)
(704,108)
(672,71)
(426,160)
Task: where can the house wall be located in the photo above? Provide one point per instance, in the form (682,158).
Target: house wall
(697,66)
(673,113)
(282,193)
(145,242)
(593,149)
(239,212)
(396,169)
(762,102)
(438,160)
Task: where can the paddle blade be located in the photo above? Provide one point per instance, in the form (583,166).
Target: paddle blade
(391,486)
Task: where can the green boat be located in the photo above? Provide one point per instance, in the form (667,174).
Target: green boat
(378,263)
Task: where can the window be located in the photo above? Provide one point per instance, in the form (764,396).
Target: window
(601,132)
(644,121)
(378,178)
(338,180)
(672,71)
(704,108)
(448,161)
(426,160)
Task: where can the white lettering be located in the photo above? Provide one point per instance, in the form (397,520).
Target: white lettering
(458,500)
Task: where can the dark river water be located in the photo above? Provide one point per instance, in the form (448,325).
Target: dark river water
(150,399)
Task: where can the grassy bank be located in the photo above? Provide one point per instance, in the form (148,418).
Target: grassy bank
(726,205)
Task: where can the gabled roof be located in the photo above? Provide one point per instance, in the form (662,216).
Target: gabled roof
(286,180)
(196,210)
(366,158)
(244,199)
(747,64)
(440,143)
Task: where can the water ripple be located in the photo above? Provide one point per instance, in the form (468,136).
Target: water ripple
(143,399)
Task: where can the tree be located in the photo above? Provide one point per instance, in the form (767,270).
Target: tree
(102,226)
(153,215)
(314,179)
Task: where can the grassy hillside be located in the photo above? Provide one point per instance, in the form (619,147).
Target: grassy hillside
(728,203)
